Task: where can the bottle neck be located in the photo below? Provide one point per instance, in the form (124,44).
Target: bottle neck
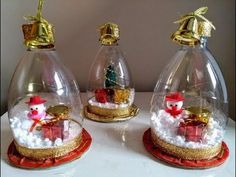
(203,42)
(110,45)
(40,49)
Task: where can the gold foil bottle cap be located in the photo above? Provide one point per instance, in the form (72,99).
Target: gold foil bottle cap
(109,34)
(204,29)
(190,29)
(39,33)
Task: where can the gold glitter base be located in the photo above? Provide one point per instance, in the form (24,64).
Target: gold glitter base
(110,115)
(186,153)
(45,153)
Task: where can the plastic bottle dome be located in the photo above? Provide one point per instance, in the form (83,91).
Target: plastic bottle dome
(110,88)
(189,106)
(44,106)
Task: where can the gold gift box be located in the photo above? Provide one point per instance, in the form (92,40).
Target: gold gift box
(202,114)
(58,111)
(121,96)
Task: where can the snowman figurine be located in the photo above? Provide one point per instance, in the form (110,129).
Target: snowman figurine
(174,103)
(37,110)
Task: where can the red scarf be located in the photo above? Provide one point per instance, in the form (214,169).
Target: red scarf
(36,121)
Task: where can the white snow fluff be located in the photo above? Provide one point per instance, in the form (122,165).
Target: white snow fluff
(26,124)
(165,127)
(58,142)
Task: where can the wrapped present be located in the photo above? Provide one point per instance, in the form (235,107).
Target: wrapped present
(110,94)
(101,95)
(121,95)
(191,129)
(54,130)
(202,114)
(58,112)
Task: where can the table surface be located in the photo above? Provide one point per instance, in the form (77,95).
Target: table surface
(117,150)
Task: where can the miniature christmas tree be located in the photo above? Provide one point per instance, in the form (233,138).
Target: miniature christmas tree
(111,77)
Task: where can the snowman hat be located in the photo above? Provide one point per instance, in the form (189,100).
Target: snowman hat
(34,100)
(176,96)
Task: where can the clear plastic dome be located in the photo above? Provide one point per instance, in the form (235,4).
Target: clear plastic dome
(190,106)
(110,85)
(110,88)
(44,105)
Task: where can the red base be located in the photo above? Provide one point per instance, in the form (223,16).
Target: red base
(23,162)
(175,161)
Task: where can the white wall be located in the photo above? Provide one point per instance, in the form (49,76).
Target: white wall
(145,26)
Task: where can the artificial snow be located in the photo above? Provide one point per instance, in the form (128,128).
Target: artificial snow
(165,127)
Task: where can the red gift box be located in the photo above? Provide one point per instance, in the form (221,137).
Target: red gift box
(191,129)
(54,130)
(110,94)
(101,95)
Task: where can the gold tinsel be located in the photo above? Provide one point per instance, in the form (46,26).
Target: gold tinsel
(186,153)
(110,115)
(45,153)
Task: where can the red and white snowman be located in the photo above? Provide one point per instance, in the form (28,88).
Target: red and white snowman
(174,103)
(37,110)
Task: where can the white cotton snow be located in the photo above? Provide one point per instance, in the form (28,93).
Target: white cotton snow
(165,127)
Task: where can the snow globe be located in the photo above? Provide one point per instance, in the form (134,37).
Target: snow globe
(189,103)
(44,106)
(110,90)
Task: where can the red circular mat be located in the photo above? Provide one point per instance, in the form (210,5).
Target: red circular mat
(23,162)
(172,160)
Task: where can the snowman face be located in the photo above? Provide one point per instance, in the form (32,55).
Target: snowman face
(37,109)
(177,104)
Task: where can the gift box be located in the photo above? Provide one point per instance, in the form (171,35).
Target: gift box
(101,95)
(191,129)
(110,94)
(121,95)
(54,130)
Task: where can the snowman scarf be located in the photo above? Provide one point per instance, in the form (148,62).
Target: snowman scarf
(36,118)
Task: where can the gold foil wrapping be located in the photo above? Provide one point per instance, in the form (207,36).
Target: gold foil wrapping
(58,111)
(110,115)
(39,33)
(187,34)
(204,29)
(191,29)
(45,153)
(109,34)
(186,153)
(202,114)
(121,96)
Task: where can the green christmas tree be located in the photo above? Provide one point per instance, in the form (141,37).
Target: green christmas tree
(110,76)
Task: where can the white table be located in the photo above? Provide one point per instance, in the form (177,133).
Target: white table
(117,151)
